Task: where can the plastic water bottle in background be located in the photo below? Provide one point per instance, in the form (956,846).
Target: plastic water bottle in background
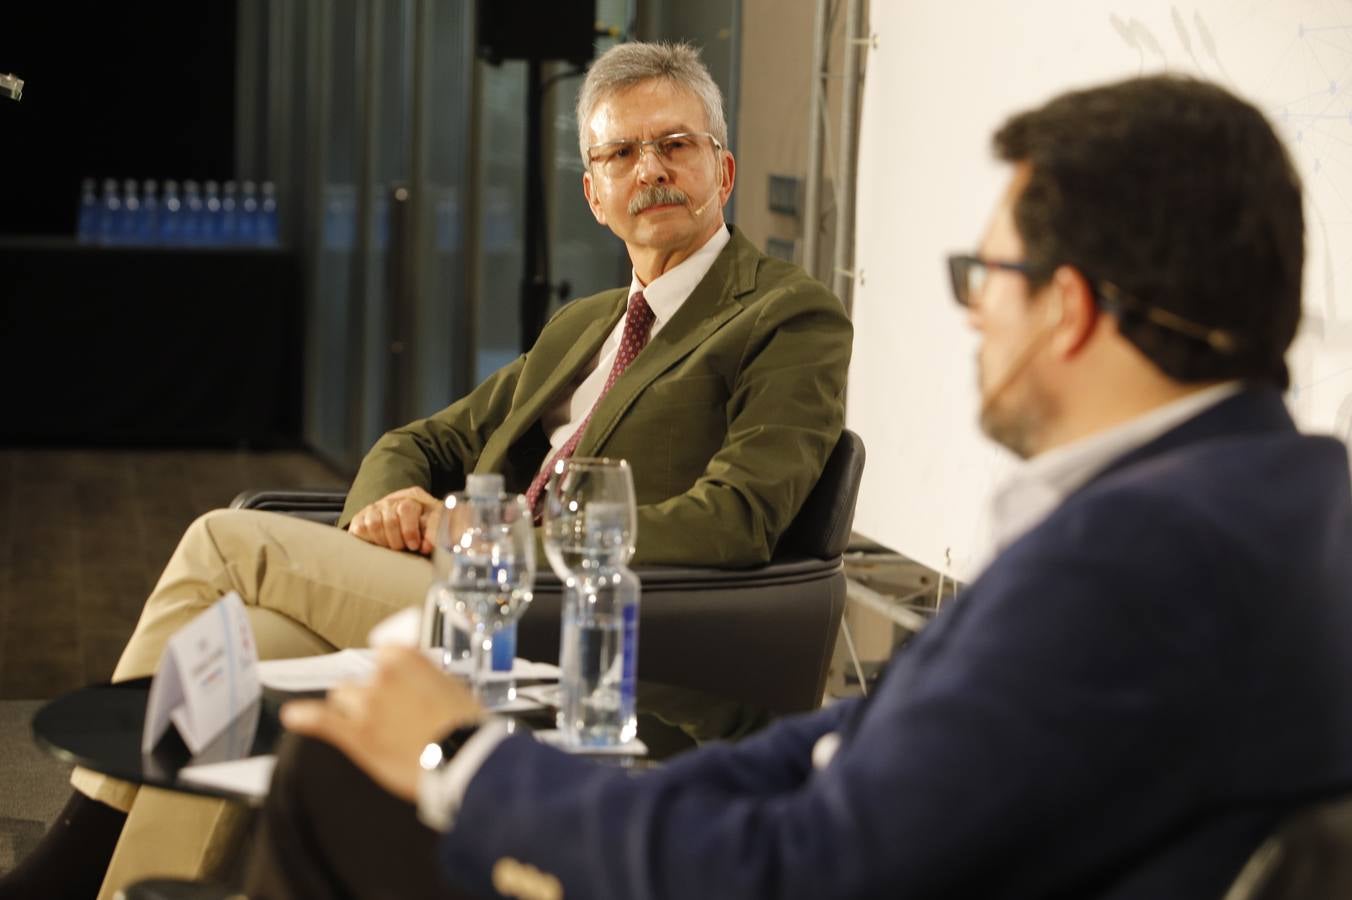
(246,223)
(148,219)
(130,213)
(268,235)
(171,216)
(211,215)
(229,214)
(192,213)
(598,645)
(110,211)
(87,222)
(439,626)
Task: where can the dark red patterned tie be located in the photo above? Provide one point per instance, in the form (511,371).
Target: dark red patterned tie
(637,321)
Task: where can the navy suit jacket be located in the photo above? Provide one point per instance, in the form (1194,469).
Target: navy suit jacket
(1121,706)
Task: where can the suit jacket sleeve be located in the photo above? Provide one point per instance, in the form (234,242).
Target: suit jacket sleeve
(783,417)
(437,452)
(775,761)
(1041,728)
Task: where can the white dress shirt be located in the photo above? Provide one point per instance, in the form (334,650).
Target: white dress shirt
(1039,485)
(666,294)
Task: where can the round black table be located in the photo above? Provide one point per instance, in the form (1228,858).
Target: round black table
(99,727)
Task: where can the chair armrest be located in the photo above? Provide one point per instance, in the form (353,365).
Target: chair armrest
(323,505)
(771,628)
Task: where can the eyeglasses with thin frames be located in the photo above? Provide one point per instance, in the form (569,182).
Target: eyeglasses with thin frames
(616,159)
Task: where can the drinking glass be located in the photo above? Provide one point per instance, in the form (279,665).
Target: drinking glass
(589,516)
(488,548)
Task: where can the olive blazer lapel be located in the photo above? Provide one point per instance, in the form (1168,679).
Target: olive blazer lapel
(712,304)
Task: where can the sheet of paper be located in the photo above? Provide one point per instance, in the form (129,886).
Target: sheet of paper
(166,696)
(319,673)
(316,673)
(521,704)
(249,777)
(522,670)
(543,694)
(207,676)
(556,739)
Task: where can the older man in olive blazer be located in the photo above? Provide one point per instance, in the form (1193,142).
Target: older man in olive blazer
(727,417)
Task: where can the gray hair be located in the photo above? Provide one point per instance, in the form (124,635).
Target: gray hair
(626,65)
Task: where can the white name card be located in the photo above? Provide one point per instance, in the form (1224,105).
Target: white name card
(207,676)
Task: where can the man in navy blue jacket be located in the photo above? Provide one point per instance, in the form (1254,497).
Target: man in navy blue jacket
(1151,673)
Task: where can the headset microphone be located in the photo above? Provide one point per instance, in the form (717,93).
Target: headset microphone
(712,197)
(705,205)
(1025,357)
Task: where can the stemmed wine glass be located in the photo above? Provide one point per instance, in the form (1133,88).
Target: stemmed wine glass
(488,551)
(589,516)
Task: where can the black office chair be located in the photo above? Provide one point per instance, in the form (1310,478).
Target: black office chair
(1308,857)
(763,636)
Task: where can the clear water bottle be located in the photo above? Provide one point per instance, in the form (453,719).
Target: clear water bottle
(87,223)
(211,214)
(229,214)
(110,212)
(598,644)
(130,214)
(246,222)
(501,689)
(148,222)
(441,628)
(193,214)
(171,215)
(268,234)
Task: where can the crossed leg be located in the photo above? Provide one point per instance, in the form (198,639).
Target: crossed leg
(307,589)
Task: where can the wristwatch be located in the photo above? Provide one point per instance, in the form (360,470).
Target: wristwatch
(439,792)
(439,753)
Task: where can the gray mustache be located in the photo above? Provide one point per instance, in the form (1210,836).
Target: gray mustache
(656,195)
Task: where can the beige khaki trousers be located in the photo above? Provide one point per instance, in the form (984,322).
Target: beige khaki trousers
(307,589)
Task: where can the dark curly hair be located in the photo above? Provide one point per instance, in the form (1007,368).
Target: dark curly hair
(1178,194)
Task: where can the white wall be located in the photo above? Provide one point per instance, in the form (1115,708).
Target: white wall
(943,77)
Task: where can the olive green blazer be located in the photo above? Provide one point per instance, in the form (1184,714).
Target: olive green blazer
(727,416)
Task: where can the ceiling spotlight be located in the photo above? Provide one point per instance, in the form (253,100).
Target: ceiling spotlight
(11,86)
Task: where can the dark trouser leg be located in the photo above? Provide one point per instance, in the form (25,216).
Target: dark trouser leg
(329,831)
(70,861)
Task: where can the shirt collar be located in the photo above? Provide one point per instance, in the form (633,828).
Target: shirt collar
(1039,485)
(668,291)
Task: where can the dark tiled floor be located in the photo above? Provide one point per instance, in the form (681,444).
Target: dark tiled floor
(83,535)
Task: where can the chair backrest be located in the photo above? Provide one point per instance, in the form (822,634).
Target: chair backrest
(822,527)
(1309,855)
